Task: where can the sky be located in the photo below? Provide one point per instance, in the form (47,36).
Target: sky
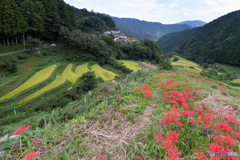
(163,11)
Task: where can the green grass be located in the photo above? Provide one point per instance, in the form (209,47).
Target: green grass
(7,49)
(214,86)
(196,71)
(34,80)
(56,83)
(69,75)
(105,74)
(81,69)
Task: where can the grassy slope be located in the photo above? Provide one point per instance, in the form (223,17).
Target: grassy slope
(133,111)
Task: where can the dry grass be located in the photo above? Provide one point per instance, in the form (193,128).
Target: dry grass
(108,135)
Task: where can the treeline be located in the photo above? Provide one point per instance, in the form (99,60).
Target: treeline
(90,21)
(141,51)
(217,41)
(38,18)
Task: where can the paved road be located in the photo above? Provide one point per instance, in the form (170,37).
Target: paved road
(4,54)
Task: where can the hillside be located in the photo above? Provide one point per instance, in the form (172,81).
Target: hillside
(148,112)
(193,24)
(143,29)
(90,21)
(217,40)
(170,41)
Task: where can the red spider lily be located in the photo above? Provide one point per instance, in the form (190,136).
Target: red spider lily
(35,140)
(177,122)
(158,137)
(192,121)
(31,156)
(190,113)
(119,96)
(16,148)
(231,120)
(230,113)
(208,116)
(174,155)
(137,88)
(207,123)
(167,145)
(224,127)
(99,105)
(170,80)
(140,156)
(201,156)
(173,137)
(143,87)
(99,159)
(147,93)
(21,129)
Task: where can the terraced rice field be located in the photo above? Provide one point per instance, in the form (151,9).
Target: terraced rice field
(105,74)
(81,69)
(236,81)
(34,80)
(130,65)
(196,71)
(56,83)
(69,75)
(184,62)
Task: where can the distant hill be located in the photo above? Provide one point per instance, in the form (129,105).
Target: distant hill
(150,30)
(218,40)
(90,21)
(172,40)
(193,24)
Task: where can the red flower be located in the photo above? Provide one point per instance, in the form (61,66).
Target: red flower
(207,123)
(21,129)
(119,96)
(167,145)
(99,159)
(173,155)
(16,148)
(99,105)
(35,140)
(208,116)
(31,156)
(201,156)
(192,121)
(158,137)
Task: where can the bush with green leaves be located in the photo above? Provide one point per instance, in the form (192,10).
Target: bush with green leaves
(33,43)
(89,81)
(205,65)
(118,65)
(175,59)
(164,64)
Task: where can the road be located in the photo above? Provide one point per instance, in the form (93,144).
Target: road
(4,54)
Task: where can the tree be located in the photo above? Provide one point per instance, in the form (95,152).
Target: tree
(205,65)
(175,59)
(6,20)
(89,81)
(33,43)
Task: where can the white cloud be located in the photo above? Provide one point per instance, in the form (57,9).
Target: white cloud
(210,2)
(163,11)
(173,4)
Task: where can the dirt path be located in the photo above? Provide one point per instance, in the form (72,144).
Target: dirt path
(145,65)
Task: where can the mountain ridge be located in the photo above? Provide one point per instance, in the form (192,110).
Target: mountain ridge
(193,23)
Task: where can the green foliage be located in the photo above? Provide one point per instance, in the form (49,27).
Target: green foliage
(113,62)
(142,50)
(214,86)
(89,81)
(165,65)
(227,77)
(217,41)
(33,43)
(175,59)
(205,65)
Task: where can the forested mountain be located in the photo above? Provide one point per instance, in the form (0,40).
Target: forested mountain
(218,40)
(42,19)
(90,21)
(170,41)
(193,24)
(143,29)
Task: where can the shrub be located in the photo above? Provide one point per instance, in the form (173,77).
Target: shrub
(89,81)
(175,59)
(205,65)
(191,67)
(224,93)
(214,86)
(22,55)
(165,65)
